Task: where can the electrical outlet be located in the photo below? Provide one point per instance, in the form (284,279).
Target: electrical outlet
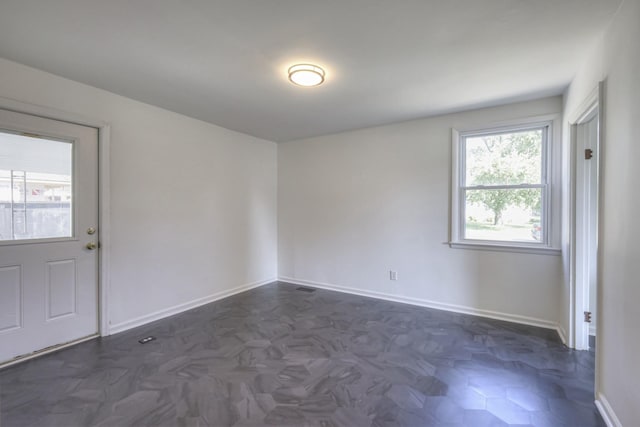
(393,275)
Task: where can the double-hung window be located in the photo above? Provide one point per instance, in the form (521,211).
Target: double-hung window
(501,187)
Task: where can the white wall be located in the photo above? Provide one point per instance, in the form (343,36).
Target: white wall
(355,205)
(193,205)
(617,61)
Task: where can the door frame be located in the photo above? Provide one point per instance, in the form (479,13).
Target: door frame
(104,221)
(578,329)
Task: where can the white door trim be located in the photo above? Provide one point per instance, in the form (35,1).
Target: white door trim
(103,189)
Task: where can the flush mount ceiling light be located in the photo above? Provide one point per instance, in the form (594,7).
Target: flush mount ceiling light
(306,75)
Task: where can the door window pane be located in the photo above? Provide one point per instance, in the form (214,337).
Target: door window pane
(35,187)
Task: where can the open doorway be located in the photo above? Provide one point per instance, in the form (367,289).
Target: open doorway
(585,139)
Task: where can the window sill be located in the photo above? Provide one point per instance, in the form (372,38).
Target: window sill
(539,250)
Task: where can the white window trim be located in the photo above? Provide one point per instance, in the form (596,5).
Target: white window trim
(550,219)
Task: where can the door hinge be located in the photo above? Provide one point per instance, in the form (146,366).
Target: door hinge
(587,316)
(588,154)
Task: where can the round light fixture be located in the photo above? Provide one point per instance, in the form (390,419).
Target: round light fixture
(306,75)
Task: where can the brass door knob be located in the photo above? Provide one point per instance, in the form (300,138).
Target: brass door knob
(91,246)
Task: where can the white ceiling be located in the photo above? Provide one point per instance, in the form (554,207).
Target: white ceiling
(225,61)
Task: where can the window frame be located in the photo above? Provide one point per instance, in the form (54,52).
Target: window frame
(549,204)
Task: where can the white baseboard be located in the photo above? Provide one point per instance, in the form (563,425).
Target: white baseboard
(606,411)
(562,333)
(515,318)
(161,314)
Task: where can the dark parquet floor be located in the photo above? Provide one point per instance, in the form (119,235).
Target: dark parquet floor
(277,356)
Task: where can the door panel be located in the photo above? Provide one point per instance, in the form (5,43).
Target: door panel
(61,288)
(48,201)
(10,297)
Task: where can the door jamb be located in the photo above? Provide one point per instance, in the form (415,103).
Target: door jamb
(582,114)
(104,222)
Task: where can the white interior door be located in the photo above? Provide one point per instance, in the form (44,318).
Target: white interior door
(48,233)
(586,228)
